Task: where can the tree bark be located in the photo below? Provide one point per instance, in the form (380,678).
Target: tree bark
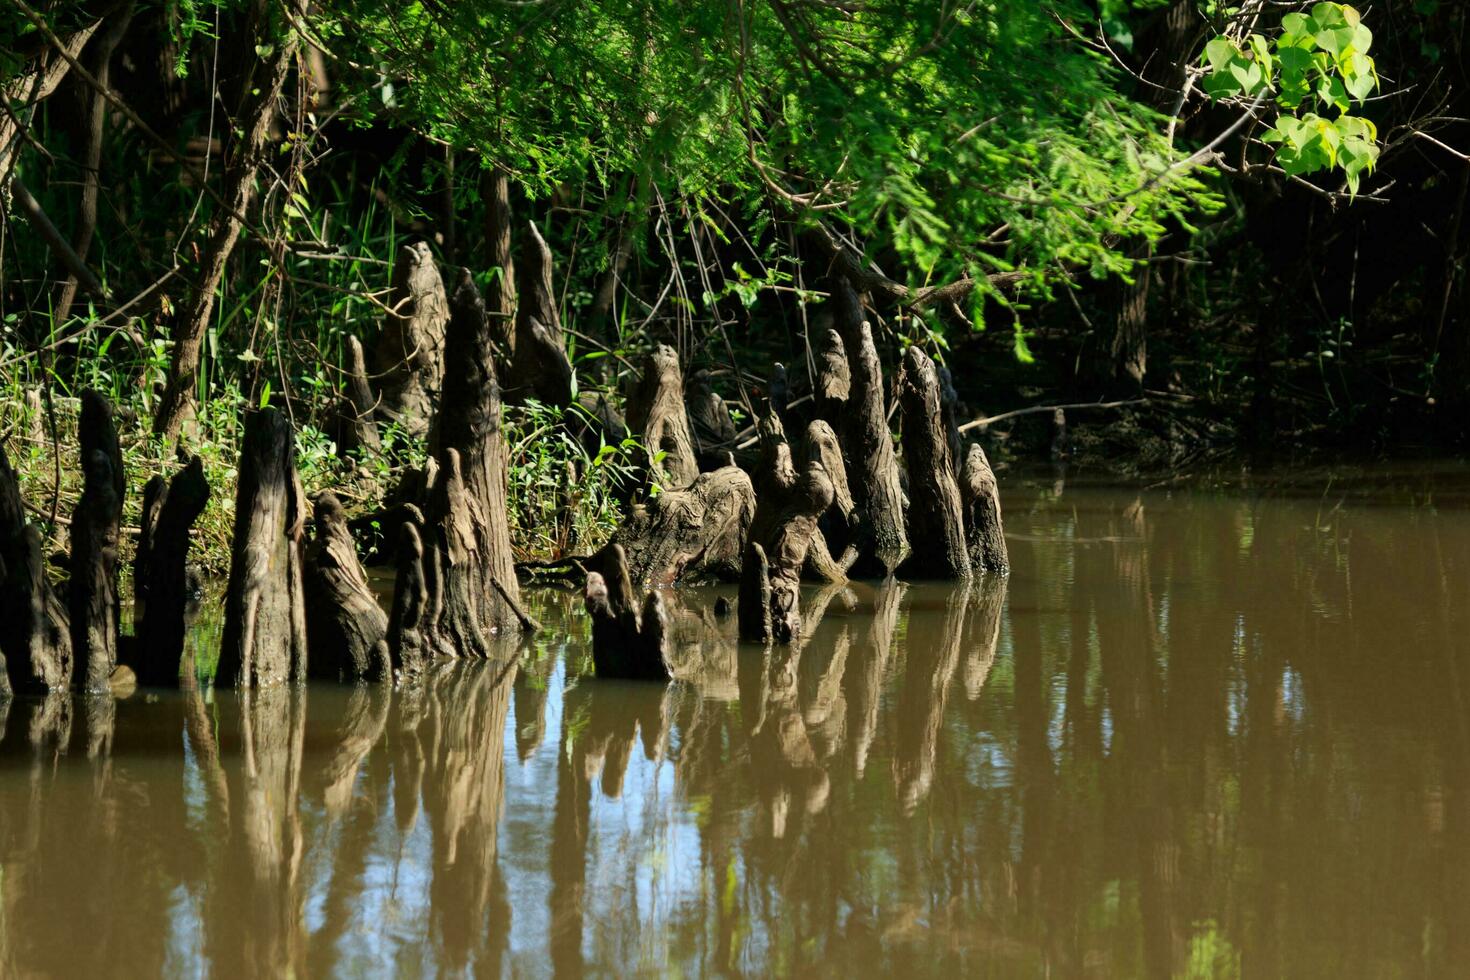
(626,643)
(834,381)
(160,577)
(35,639)
(502,299)
(264,640)
(936,525)
(692,535)
(409,356)
(346,629)
(92,595)
(656,411)
(876,486)
(259,93)
(984,533)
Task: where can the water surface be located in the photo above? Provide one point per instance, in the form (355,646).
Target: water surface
(1196,732)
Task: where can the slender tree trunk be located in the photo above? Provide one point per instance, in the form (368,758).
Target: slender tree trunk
(261,90)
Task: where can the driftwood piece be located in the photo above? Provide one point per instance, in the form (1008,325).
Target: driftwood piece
(985,536)
(470,522)
(692,535)
(356,427)
(346,629)
(656,412)
(160,576)
(409,357)
(874,475)
(834,381)
(408,649)
(35,638)
(264,639)
(92,595)
(626,643)
(936,524)
(540,368)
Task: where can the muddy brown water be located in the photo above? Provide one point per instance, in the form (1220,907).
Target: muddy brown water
(1208,731)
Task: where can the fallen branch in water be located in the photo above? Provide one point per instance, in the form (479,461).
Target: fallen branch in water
(989,419)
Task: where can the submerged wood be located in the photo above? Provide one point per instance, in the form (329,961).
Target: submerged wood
(692,535)
(35,638)
(467,509)
(160,575)
(264,641)
(346,629)
(985,537)
(540,368)
(409,357)
(356,427)
(936,524)
(868,444)
(92,594)
(656,412)
(626,642)
(408,649)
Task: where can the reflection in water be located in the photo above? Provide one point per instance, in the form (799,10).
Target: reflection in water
(1190,733)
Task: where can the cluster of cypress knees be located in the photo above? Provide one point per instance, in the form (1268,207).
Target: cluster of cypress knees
(298,603)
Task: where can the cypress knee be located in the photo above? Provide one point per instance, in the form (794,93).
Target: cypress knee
(407,648)
(540,368)
(160,578)
(626,642)
(346,629)
(985,535)
(264,641)
(35,637)
(656,412)
(410,352)
(92,595)
(936,526)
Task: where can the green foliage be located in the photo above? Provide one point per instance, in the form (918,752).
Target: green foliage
(1319,63)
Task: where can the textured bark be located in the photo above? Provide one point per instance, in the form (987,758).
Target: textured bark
(92,595)
(502,299)
(626,643)
(407,648)
(264,641)
(409,357)
(460,592)
(35,639)
(355,425)
(984,532)
(876,486)
(540,368)
(346,629)
(692,535)
(835,527)
(709,420)
(656,412)
(471,525)
(160,577)
(259,93)
(753,612)
(834,381)
(936,525)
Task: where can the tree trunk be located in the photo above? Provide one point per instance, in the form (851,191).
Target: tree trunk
(540,368)
(264,640)
(35,640)
(656,412)
(626,643)
(92,596)
(936,525)
(346,629)
(876,486)
(409,357)
(985,535)
(259,93)
(160,578)
(502,300)
(692,535)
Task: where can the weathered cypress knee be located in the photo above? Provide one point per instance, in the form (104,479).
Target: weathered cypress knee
(787,522)
(936,524)
(691,535)
(410,350)
(407,648)
(346,629)
(540,367)
(709,419)
(834,528)
(356,428)
(92,595)
(160,577)
(264,641)
(834,380)
(876,486)
(35,639)
(656,412)
(753,612)
(463,591)
(985,535)
(626,642)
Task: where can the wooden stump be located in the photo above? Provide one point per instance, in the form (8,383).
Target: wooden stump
(936,525)
(656,412)
(160,577)
(540,368)
(264,641)
(985,537)
(874,475)
(35,637)
(346,629)
(408,648)
(355,426)
(626,643)
(92,595)
(409,358)
(692,535)
(468,518)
